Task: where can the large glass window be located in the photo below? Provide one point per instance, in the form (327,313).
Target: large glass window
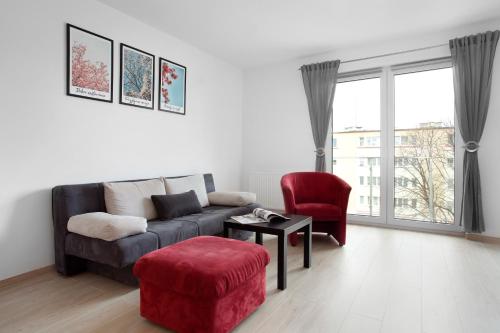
(356,133)
(393,140)
(424,146)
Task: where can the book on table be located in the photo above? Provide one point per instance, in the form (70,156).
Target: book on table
(260,215)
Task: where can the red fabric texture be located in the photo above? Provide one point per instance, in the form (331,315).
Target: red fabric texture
(320,211)
(321,195)
(204,284)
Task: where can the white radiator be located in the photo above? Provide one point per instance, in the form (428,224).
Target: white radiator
(268,189)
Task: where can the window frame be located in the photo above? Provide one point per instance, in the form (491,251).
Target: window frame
(387,74)
(371,73)
(408,68)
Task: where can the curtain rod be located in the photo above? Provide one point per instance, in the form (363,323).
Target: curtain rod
(392,53)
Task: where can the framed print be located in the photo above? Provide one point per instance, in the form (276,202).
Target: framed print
(136,77)
(172,87)
(89,65)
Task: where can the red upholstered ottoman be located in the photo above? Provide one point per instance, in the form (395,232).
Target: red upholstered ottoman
(204,284)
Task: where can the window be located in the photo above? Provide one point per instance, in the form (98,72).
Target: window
(373,161)
(424,122)
(414,203)
(373,141)
(417,113)
(357,127)
(401,181)
(374,181)
(414,105)
(451,139)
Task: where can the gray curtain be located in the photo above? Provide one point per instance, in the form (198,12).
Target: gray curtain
(319,85)
(472,58)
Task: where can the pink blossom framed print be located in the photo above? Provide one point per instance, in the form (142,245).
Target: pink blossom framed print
(136,77)
(172,87)
(89,65)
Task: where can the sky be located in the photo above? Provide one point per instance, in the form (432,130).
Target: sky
(419,97)
(176,89)
(98,49)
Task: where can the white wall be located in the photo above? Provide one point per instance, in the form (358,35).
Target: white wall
(277,132)
(48,138)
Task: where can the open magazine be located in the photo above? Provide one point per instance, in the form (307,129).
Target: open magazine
(260,215)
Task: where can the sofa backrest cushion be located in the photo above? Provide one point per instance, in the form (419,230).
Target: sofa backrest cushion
(188,183)
(313,187)
(225,198)
(133,198)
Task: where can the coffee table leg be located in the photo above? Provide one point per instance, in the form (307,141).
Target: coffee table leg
(307,246)
(282,258)
(258,238)
(226,232)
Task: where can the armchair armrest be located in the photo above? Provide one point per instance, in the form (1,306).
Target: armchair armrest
(341,191)
(288,198)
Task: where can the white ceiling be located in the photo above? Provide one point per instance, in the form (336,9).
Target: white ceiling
(250,33)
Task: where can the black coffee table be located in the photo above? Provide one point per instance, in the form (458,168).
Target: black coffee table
(282,230)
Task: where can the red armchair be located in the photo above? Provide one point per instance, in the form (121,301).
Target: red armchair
(321,195)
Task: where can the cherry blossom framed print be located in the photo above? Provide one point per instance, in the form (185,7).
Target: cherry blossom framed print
(89,65)
(172,87)
(136,77)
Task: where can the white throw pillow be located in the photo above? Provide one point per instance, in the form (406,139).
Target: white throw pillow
(186,184)
(232,198)
(106,226)
(133,198)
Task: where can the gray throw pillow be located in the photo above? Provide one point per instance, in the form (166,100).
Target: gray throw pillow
(170,206)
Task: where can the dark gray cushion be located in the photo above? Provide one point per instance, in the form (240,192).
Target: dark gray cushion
(229,211)
(172,231)
(119,253)
(170,206)
(211,220)
(206,223)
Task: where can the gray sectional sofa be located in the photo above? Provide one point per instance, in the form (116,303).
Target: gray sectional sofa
(75,253)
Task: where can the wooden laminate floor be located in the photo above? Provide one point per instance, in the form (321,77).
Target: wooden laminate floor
(382,281)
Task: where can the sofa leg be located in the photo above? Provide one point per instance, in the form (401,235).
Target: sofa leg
(293,238)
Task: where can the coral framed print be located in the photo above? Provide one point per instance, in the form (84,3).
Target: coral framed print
(172,87)
(136,77)
(89,65)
